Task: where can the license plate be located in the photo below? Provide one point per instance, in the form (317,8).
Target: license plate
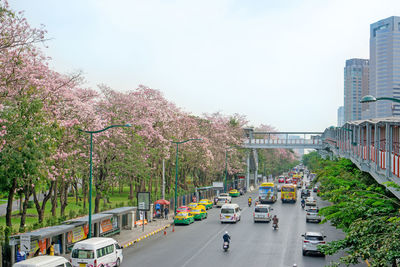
(82,264)
(227,217)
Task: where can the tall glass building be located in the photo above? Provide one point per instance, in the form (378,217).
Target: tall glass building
(356,74)
(384,67)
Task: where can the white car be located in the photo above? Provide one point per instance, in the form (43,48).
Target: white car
(230,213)
(222,201)
(96,251)
(262,213)
(312,215)
(227,196)
(311,240)
(311,201)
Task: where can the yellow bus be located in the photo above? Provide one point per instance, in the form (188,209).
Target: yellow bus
(267,193)
(288,193)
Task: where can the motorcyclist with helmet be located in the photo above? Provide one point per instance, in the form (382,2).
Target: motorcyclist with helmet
(249,200)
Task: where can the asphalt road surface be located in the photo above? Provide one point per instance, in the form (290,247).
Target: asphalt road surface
(252,244)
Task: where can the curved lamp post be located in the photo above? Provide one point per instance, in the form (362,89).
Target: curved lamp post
(370,98)
(176,166)
(90,174)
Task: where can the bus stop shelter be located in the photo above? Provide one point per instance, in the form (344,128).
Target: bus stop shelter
(123,218)
(41,239)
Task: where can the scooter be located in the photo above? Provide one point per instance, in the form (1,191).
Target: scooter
(225,246)
(249,203)
(303,205)
(275,226)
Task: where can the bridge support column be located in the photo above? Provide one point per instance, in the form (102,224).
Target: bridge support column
(248,171)
(388,148)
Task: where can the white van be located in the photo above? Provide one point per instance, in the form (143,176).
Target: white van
(262,213)
(96,251)
(44,261)
(230,213)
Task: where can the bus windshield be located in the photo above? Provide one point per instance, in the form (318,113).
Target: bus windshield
(287,189)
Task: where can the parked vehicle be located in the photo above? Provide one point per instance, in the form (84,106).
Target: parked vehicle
(199,213)
(311,240)
(230,213)
(267,193)
(206,203)
(192,205)
(312,215)
(262,213)
(182,209)
(315,189)
(311,201)
(44,261)
(96,251)
(183,218)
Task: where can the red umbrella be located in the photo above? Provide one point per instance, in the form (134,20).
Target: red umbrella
(162,202)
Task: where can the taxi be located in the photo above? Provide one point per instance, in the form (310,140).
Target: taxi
(184,218)
(206,203)
(192,205)
(199,213)
(182,209)
(234,193)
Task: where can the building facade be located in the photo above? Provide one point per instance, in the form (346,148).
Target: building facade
(340,116)
(356,73)
(384,67)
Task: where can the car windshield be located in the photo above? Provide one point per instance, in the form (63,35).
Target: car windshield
(82,254)
(313,210)
(182,214)
(264,210)
(314,238)
(196,210)
(227,211)
(203,201)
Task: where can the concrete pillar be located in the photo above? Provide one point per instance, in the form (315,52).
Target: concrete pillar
(368,129)
(377,145)
(388,149)
(248,171)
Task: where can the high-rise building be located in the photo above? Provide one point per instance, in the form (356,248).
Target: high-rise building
(384,67)
(340,116)
(356,74)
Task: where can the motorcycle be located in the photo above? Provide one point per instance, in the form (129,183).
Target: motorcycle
(225,246)
(303,205)
(275,226)
(249,203)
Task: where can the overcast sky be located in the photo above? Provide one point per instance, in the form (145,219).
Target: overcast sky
(279,62)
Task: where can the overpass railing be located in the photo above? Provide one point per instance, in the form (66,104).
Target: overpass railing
(373,145)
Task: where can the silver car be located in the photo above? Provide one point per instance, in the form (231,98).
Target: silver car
(311,240)
(311,201)
(312,215)
(262,213)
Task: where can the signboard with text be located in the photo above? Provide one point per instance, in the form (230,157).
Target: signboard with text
(143,200)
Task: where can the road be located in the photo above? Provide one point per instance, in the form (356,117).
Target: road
(200,244)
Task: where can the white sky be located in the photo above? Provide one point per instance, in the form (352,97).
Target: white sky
(279,62)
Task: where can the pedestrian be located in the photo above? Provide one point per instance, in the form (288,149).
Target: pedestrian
(20,255)
(51,249)
(166,212)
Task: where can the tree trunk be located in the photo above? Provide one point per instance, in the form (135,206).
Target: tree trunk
(41,209)
(63,197)
(131,190)
(10,202)
(27,193)
(97,202)
(54,199)
(20,202)
(75,185)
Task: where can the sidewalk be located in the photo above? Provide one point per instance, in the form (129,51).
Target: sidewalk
(127,238)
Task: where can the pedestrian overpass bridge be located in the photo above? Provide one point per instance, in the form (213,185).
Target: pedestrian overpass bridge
(372,145)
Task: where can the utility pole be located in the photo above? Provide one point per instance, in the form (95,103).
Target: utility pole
(163,179)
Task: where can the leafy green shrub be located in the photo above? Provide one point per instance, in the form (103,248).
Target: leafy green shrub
(72,214)
(30,204)
(61,219)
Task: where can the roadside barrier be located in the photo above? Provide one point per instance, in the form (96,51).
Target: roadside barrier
(146,236)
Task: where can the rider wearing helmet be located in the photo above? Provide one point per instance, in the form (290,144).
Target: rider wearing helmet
(275,220)
(226,237)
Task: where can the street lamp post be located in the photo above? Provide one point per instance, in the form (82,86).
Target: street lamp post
(370,98)
(176,167)
(226,170)
(91,166)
